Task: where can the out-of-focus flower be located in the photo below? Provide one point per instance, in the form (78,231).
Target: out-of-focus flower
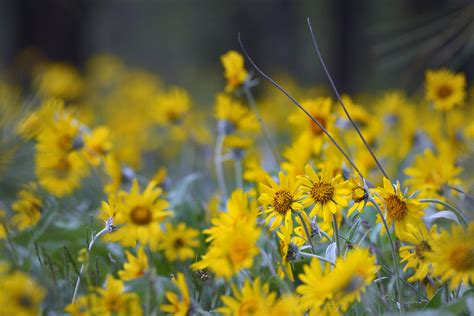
(445,88)
(20,295)
(234,70)
(179,242)
(135,267)
(27,208)
(178,304)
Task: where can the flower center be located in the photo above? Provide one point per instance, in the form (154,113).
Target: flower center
(25,301)
(462,258)
(315,128)
(444,91)
(358,194)
(282,201)
(397,209)
(62,168)
(355,283)
(178,243)
(322,192)
(140,215)
(249,307)
(421,249)
(239,251)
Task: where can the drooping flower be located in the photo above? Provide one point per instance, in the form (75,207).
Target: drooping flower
(445,88)
(254,298)
(179,242)
(97,145)
(171,106)
(179,304)
(416,254)
(328,193)
(452,256)
(280,200)
(233,116)
(400,210)
(135,267)
(234,70)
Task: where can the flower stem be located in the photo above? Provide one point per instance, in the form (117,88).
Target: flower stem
(308,235)
(89,248)
(238,173)
(266,134)
(452,208)
(218,164)
(394,254)
(336,234)
(311,255)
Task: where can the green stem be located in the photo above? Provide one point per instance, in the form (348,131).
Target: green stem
(452,208)
(238,173)
(336,234)
(266,134)
(308,235)
(218,164)
(394,254)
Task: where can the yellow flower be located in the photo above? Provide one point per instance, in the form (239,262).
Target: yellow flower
(60,173)
(179,305)
(288,247)
(116,173)
(115,301)
(358,195)
(297,155)
(20,295)
(35,122)
(97,145)
(179,242)
(280,200)
(416,255)
(233,238)
(59,80)
(234,70)
(315,287)
(28,208)
(135,267)
(445,89)
(320,109)
(430,174)
(351,276)
(399,209)
(234,115)
(171,106)
(3,231)
(87,305)
(326,192)
(287,305)
(160,176)
(254,298)
(142,213)
(452,257)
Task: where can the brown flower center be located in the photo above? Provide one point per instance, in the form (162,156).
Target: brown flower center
(462,258)
(444,91)
(62,168)
(178,243)
(358,194)
(421,249)
(282,201)
(322,192)
(140,215)
(315,128)
(396,208)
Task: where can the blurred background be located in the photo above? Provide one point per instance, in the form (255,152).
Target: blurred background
(368,44)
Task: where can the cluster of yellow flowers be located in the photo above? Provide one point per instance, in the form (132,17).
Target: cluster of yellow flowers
(256,214)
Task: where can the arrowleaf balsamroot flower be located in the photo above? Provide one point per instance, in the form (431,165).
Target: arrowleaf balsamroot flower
(179,242)
(233,238)
(234,70)
(135,267)
(254,298)
(27,208)
(416,254)
(178,305)
(142,214)
(280,200)
(452,257)
(400,210)
(20,295)
(326,192)
(445,89)
(234,116)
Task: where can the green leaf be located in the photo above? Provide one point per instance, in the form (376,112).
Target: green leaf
(437,299)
